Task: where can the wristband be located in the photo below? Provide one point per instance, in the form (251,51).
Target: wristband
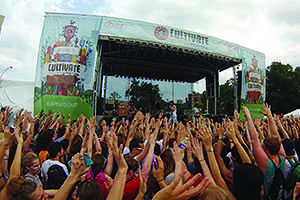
(160,180)
(210,150)
(220,138)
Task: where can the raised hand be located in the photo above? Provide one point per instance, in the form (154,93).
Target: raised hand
(177,153)
(158,173)
(206,136)
(230,130)
(8,137)
(177,191)
(78,167)
(246,112)
(18,135)
(197,149)
(117,152)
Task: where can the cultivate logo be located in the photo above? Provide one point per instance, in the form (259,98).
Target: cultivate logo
(161,33)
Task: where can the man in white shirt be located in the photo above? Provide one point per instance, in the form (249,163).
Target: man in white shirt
(55,151)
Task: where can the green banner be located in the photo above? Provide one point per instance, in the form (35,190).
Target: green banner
(255,111)
(66,64)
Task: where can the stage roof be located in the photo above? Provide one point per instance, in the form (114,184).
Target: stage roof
(154,60)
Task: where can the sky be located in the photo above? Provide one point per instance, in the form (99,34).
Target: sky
(270,27)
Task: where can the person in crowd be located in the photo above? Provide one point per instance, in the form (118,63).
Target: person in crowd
(173,113)
(145,158)
(55,151)
(31,168)
(270,155)
(56,177)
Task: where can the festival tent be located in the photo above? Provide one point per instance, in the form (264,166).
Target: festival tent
(295,113)
(17,94)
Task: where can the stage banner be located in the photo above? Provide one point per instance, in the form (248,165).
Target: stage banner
(253,82)
(162,34)
(66,64)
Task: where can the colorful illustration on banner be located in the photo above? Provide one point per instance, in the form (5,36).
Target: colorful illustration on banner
(65,63)
(255,83)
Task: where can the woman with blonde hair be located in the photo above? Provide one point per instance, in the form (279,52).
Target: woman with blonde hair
(214,192)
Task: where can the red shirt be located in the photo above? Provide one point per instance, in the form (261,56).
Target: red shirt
(131,189)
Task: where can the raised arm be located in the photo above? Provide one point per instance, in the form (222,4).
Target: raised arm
(260,155)
(206,136)
(7,140)
(68,128)
(279,125)
(261,135)
(109,164)
(92,128)
(153,137)
(54,125)
(272,125)
(117,188)
(226,173)
(231,134)
(15,169)
(149,157)
(198,152)
(29,136)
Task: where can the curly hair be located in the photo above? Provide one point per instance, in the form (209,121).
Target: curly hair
(19,188)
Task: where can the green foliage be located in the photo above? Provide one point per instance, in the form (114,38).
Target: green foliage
(283,87)
(116,99)
(226,100)
(87,96)
(143,95)
(203,98)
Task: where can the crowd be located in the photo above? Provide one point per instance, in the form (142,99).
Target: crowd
(50,156)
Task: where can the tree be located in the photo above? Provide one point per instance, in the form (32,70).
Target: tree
(226,100)
(283,87)
(203,97)
(115,97)
(143,95)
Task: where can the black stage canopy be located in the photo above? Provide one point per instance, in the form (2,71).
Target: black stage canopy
(143,59)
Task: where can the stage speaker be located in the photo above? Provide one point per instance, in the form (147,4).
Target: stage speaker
(239,89)
(210,85)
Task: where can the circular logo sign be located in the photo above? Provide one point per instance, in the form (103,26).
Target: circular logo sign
(161,33)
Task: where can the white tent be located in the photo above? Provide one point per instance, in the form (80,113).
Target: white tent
(16,94)
(295,113)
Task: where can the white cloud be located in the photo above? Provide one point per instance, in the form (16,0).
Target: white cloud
(266,26)
(20,34)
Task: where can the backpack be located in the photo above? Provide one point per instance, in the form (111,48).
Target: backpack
(294,175)
(277,184)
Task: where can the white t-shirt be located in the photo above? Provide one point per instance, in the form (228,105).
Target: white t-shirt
(47,164)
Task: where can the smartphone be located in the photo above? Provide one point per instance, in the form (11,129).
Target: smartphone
(87,160)
(155,162)
(184,143)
